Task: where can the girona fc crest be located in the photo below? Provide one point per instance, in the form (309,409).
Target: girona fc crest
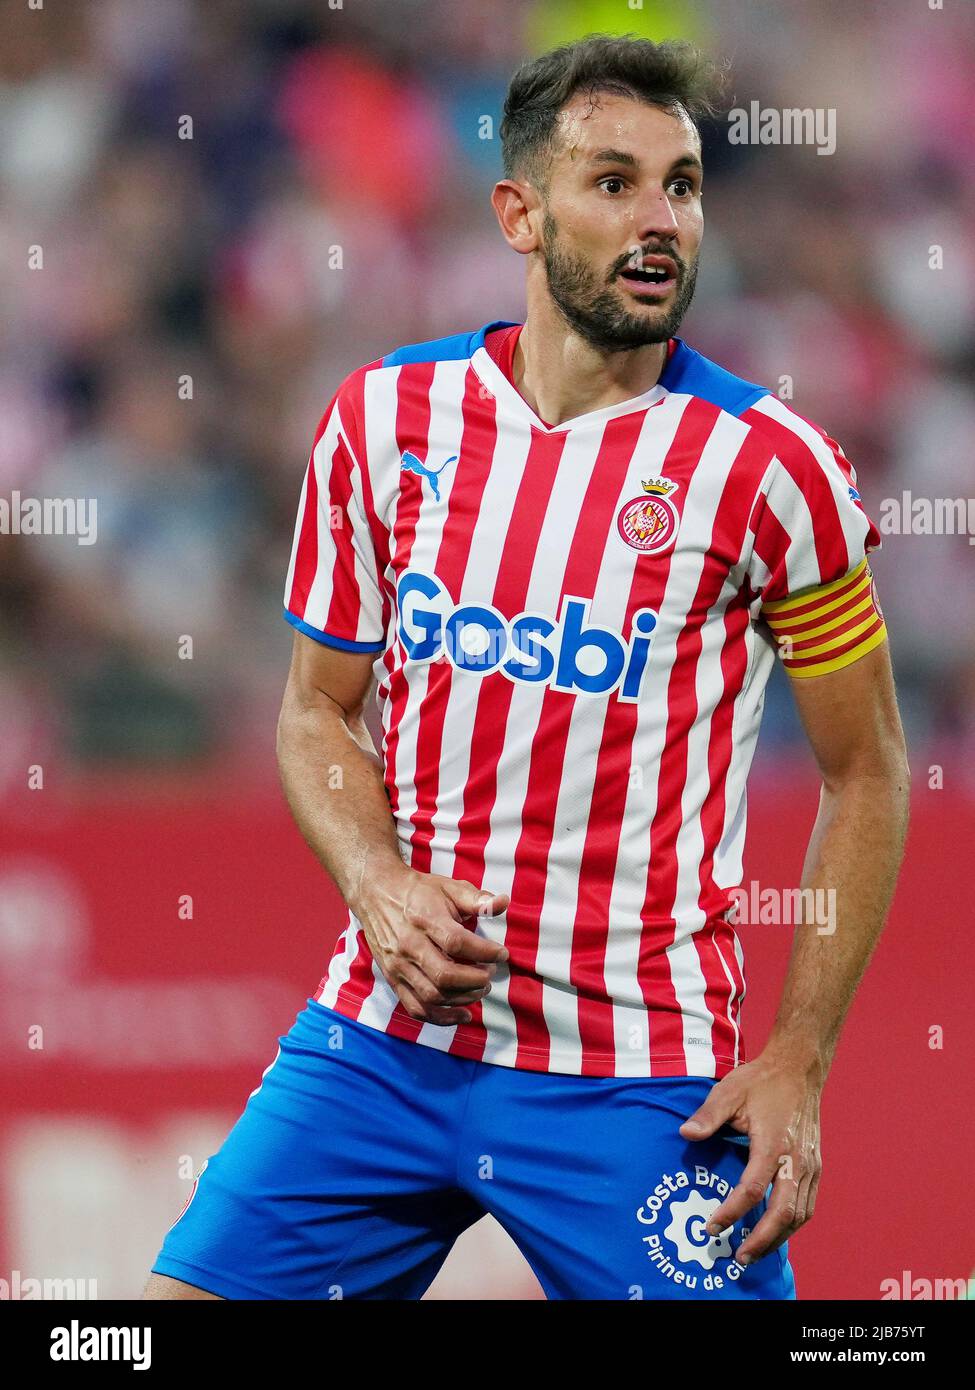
(650,523)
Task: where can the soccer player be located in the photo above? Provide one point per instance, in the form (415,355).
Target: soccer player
(570,552)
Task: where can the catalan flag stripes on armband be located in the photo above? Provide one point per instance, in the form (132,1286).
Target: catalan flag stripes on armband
(829,627)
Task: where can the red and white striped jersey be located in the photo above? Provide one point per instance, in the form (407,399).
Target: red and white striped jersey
(571,659)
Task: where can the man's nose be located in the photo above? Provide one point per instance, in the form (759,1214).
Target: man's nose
(654,216)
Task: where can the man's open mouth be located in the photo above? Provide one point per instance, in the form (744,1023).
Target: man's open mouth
(648,277)
(656,272)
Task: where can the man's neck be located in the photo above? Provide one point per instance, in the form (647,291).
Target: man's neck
(561,376)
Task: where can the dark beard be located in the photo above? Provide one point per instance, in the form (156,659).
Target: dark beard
(595,312)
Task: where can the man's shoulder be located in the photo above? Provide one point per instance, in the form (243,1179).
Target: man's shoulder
(348,403)
(456,347)
(793,437)
(690,373)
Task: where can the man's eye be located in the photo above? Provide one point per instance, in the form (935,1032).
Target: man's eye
(683,186)
(612,179)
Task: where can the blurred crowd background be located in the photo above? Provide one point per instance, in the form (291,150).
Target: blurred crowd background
(238,202)
(331,204)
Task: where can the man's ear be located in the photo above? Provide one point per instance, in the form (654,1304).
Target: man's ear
(513,202)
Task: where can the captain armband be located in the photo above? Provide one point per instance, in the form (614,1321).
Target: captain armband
(827,628)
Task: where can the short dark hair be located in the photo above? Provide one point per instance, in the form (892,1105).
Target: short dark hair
(671,75)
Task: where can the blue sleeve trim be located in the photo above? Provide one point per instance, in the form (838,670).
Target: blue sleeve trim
(691,374)
(327,640)
(453,349)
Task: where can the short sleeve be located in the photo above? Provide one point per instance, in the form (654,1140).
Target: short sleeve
(333,591)
(809,574)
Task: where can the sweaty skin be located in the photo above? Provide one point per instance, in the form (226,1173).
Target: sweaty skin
(625,180)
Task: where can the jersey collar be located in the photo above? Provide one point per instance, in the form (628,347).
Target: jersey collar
(498,384)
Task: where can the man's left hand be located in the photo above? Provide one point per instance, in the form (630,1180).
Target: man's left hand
(776,1103)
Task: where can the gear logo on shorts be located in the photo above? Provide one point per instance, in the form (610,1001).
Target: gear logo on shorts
(686,1230)
(650,523)
(679,1247)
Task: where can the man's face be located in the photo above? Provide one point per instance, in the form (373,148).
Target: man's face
(623,204)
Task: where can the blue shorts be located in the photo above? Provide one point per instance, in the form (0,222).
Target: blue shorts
(360,1158)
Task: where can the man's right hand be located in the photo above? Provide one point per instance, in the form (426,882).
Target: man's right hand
(415,925)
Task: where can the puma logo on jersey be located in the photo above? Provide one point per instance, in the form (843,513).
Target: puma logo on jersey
(411,464)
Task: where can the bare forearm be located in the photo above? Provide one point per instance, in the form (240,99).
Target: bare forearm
(333,780)
(421,928)
(853,859)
